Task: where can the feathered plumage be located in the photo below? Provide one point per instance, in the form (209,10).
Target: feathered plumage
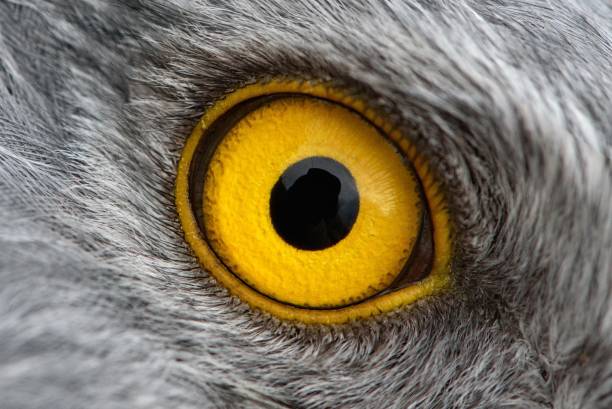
(102,304)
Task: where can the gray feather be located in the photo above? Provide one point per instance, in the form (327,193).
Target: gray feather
(102,303)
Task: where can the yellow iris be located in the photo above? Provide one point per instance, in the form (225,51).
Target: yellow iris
(362,228)
(248,163)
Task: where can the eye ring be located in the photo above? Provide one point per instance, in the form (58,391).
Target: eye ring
(238,102)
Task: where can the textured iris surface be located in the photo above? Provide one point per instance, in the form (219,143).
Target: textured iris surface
(247,165)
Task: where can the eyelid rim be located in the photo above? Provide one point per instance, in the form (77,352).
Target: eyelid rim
(439,279)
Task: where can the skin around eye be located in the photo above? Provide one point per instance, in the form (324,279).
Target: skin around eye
(307,205)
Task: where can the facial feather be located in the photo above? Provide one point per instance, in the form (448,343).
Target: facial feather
(104,305)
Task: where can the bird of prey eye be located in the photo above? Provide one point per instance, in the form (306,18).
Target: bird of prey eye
(306,204)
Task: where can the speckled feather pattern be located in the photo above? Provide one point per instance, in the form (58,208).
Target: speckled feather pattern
(102,304)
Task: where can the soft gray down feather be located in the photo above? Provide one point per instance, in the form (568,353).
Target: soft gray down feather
(102,304)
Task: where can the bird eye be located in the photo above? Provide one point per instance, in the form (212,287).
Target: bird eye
(306,204)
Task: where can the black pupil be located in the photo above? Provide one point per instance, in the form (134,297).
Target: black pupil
(314,203)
